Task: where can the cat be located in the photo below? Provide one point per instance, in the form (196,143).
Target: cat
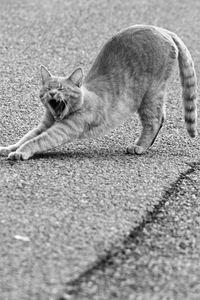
(129,75)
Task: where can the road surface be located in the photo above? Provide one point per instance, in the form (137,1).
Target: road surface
(66,213)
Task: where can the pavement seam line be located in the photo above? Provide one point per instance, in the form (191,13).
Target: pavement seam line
(72,287)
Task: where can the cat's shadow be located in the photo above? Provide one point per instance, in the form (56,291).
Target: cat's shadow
(95,155)
(105,154)
(81,154)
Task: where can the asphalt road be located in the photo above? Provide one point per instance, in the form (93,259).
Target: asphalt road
(158,260)
(62,212)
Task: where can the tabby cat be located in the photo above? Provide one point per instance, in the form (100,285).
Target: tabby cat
(129,75)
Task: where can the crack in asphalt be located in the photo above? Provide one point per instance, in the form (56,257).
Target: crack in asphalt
(73,287)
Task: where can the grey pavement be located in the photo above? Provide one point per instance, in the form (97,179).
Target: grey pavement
(62,211)
(158,260)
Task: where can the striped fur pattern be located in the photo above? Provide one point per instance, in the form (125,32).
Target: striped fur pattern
(129,75)
(189,85)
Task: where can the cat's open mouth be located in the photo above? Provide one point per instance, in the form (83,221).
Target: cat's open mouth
(57,106)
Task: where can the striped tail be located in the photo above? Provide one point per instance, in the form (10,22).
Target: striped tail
(189,85)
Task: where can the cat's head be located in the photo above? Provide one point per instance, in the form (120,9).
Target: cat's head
(61,95)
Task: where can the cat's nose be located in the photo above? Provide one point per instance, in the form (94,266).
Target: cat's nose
(52,93)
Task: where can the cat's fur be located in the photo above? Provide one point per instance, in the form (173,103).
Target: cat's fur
(129,75)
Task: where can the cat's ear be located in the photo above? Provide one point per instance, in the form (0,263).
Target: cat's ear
(45,74)
(77,77)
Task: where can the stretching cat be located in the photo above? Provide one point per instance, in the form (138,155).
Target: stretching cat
(129,75)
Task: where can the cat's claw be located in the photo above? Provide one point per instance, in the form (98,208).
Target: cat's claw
(18,156)
(4,151)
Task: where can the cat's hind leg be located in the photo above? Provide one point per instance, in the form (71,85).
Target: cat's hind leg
(152,116)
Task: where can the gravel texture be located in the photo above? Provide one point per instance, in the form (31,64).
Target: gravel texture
(62,211)
(161,260)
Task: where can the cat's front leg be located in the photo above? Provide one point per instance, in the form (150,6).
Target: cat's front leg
(46,122)
(58,134)
(4,151)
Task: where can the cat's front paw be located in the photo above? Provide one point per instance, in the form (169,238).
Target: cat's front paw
(4,151)
(17,155)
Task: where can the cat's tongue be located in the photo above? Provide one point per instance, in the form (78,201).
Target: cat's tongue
(58,108)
